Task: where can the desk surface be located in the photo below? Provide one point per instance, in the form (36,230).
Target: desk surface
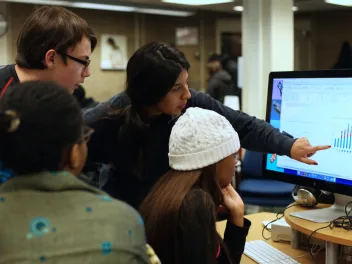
(255,233)
(335,235)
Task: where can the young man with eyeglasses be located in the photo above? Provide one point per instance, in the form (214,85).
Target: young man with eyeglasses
(54,44)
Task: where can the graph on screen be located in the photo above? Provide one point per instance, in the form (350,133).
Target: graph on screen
(342,139)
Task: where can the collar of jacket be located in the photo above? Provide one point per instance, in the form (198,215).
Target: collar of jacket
(47,181)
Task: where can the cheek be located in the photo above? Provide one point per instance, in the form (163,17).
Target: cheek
(72,70)
(169,105)
(232,167)
(226,170)
(83,153)
(67,75)
(74,73)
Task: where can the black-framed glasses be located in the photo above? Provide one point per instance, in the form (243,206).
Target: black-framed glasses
(83,62)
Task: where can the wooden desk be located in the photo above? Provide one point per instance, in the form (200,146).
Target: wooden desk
(255,233)
(333,237)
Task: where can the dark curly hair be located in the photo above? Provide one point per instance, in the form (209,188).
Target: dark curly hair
(39,121)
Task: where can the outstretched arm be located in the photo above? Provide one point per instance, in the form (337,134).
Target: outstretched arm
(256,134)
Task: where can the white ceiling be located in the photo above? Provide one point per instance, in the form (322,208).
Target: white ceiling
(303,5)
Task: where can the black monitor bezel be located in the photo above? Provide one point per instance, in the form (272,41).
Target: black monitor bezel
(294,179)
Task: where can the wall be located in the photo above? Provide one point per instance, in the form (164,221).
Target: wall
(5,45)
(103,84)
(327,35)
(166,33)
(304,56)
(331,29)
(139,29)
(197,55)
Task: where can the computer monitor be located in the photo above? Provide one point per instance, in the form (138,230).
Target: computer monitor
(316,105)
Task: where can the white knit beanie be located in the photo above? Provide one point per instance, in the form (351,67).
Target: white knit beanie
(200,138)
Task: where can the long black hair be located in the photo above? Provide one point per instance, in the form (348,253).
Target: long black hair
(151,73)
(180,217)
(39,121)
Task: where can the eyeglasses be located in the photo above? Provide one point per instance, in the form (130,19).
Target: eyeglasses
(87,133)
(83,62)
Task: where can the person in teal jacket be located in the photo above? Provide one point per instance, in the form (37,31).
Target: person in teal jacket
(47,214)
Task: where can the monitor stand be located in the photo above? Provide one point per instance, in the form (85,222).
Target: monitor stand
(327,214)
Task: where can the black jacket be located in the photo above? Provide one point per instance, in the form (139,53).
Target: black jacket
(6,73)
(220,84)
(8,77)
(104,147)
(195,235)
(235,240)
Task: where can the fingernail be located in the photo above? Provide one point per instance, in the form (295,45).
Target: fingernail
(315,163)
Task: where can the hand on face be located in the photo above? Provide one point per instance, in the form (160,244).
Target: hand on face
(234,204)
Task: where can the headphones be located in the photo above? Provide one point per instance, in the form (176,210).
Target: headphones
(310,197)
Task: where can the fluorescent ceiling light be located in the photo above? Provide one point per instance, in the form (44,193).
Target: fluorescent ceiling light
(40,2)
(106,7)
(240,8)
(197,2)
(164,12)
(340,2)
(101,6)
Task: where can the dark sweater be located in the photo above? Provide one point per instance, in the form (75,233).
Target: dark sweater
(187,236)
(196,235)
(220,84)
(235,239)
(6,72)
(104,146)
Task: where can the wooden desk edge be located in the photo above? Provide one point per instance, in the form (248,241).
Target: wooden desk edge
(320,233)
(255,234)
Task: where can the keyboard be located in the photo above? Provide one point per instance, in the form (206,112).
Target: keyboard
(262,253)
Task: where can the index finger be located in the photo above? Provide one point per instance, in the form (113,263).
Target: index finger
(308,161)
(317,148)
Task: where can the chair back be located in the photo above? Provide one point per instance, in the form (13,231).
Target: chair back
(252,165)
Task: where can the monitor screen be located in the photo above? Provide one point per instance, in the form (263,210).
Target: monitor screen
(318,106)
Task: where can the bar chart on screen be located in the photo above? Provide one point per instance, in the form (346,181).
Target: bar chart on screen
(337,132)
(342,136)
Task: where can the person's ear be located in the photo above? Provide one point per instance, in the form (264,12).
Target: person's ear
(50,57)
(75,158)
